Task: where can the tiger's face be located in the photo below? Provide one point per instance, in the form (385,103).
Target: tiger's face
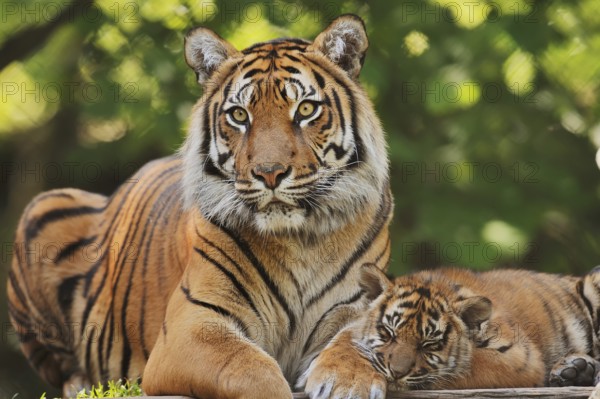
(420,334)
(283,138)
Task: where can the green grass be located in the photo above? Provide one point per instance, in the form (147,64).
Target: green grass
(113,389)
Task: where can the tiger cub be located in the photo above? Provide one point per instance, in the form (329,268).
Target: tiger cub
(457,329)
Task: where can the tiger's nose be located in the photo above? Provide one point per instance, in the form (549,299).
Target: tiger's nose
(271,174)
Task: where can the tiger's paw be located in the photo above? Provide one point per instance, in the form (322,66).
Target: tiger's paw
(575,370)
(342,377)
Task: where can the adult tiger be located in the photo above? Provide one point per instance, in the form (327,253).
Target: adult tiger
(253,235)
(456,329)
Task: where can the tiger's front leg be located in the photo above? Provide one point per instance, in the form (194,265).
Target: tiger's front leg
(202,352)
(343,370)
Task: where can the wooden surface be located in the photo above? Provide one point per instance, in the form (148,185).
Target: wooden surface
(546,393)
(525,393)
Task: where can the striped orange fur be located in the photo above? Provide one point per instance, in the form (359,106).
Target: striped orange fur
(456,329)
(224,270)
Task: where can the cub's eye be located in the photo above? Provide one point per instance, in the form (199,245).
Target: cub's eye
(432,346)
(306,109)
(239,114)
(385,334)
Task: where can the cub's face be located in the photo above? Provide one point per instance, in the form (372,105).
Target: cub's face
(283,139)
(420,334)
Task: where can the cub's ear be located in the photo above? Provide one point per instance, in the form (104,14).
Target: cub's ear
(474,311)
(345,43)
(372,280)
(205,51)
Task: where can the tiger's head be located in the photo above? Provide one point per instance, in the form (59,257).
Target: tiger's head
(420,330)
(283,139)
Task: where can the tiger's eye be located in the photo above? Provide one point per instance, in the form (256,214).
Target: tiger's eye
(239,114)
(306,108)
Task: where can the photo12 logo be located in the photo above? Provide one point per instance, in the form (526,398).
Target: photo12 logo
(67,92)
(468,172)
(37,12)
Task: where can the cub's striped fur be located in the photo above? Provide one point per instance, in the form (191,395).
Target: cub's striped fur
(221,272)
(453,328)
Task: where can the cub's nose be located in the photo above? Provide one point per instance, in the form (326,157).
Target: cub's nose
(271,174)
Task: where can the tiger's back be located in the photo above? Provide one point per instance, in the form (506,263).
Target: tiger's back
(92,275)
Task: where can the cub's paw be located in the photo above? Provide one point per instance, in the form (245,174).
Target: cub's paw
(345,376)
(575,370)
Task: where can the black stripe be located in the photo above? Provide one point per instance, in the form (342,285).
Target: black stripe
(276,45)
(291,57)
(19,317)
(215,308)
(146,196)
(338,150)
(564,333)
(20,294)
(308,342)
(240,91)
(319,78)
(224,157)
(245,247)
(434,314)
(556,326)
(248,63)
(70,249)
(66,289)
(17,288)
(162,204)
(299,83)
(291,40)
(291,69)
(43,197)
(292,48)
(35,225)
(504,348)
(215,112)
(327,124)
(359,154)
(236,283)
(205,145)
(89,276)
(223,253)
(253,72)
(209,166)
(374,230)
(446,334)
(592,327)
(167,205)
(385,249)
(586,301)
(227,90)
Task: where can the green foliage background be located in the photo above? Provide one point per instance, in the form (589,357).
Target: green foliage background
(491,110)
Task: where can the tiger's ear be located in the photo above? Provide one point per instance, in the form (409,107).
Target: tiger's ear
(205,51)
(345,43)
(372,280)
(474,311)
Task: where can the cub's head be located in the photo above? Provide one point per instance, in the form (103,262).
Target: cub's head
(420,330)
(283,139)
